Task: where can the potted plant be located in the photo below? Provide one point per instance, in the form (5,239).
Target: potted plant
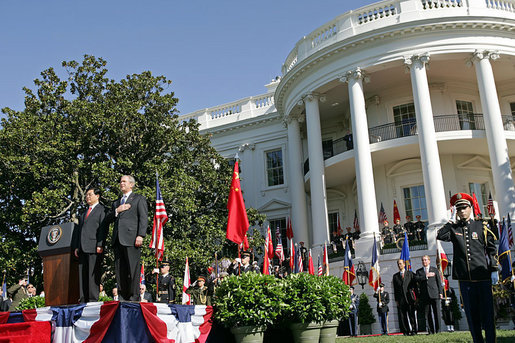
(335,297)
(304,311)
(365,316)
(246,304)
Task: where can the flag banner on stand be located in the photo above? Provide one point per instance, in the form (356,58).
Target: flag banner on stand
(292,256)
(382,215)
(326,259)
(320,268)
(142,274)
(504,254)
(160,219)
(279,251)
(490,208)
(186,299)
(269,244)
(311,267)
(355,224)
(110,321)
(477,210)
(374,276)
(441,258)
(510,233)
(237,222)
(396,214)
(289,229)
(349,274)
(405,256)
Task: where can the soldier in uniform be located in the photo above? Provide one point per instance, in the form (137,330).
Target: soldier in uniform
(200,293)
(304,255)
(475,266)
(353,313)
(382,307)
(398,230)
(386,233)
(420,228)
(410,229)
(166,284)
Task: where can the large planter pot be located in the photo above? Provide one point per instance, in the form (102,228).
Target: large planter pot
(365,329)
(305,332)
(328,332)
(248,334)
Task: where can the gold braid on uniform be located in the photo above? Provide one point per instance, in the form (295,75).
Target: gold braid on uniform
(486,230)
(203,298)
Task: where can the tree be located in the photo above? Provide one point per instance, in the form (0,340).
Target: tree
(88,130)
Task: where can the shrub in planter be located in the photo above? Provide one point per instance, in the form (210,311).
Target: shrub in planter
(248,300)
(303,299)
(30,303)
(365,315)
(335,297)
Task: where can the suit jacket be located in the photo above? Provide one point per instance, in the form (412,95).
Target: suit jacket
(130,223)
(147,296)
(91,231)
(430,288)
(402,287)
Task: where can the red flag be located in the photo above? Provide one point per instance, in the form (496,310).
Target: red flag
(292,256)
(266,262)
(311,267)
(490,208)
(356,221)
(340,230)
(269,244)
(289,229)
(160,219)
(477,210)
(396,214)
(326,259)
(237,223)
(186,300)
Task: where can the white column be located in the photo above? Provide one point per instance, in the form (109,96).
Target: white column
(368,219)
(299,209)
(431,168)
(316,171)
(497,147)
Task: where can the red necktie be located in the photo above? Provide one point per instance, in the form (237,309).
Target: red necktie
(89,211)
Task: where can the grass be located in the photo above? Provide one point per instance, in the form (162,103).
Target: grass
(503,336)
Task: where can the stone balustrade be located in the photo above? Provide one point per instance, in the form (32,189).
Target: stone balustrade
(389,13)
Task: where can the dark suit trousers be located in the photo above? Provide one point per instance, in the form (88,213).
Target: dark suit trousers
(407,320)
(89,276)
(479,308)
(353,320)
(127,265)
(432,312)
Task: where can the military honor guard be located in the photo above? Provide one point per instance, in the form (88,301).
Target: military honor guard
(166,284)
(353,313)
(474,265)
(383,298)
(200,293)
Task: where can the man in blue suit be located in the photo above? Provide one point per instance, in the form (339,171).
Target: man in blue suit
(88,244)
(130,217)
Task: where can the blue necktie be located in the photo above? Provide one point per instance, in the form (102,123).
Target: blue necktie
(123,200)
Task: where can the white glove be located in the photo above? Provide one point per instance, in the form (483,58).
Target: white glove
(380,304)
(237,259)
(512,278)
(495,278)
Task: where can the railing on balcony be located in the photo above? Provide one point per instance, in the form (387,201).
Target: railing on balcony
(408,127)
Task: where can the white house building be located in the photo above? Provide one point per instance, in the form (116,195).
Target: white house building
(427,90)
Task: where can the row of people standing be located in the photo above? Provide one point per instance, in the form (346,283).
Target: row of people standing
(416,230)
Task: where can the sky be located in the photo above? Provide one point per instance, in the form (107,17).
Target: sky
(213,51)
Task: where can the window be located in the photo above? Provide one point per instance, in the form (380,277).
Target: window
(327,148)
(281,224)
(332,221)
(479,189)
(274,167)
(466,115)
(415,202)
(404,117)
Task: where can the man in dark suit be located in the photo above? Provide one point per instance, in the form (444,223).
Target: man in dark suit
(430,286)
(89,246)
(404,294)
(144,296)
(130,216)
(383,298)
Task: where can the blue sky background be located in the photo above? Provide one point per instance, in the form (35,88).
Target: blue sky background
(213,51)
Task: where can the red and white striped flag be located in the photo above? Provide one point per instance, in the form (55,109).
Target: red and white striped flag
(441,258)
(160,219)
(356,221)
(510,233)
(279,251)
(186,299)
(490,207)
(320,268)
(301,264)
(382,215)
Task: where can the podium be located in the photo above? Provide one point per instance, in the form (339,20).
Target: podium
(60,267)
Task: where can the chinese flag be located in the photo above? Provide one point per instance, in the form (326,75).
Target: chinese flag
(237,223)
(396,214)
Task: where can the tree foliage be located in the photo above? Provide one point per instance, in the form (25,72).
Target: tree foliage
(87,130)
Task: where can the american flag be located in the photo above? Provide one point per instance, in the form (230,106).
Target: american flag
(320,268)
(490,207)
(160,218)
(510,232)
(279,252)
(186,300)
(356,221)
(301,264)
(382,215)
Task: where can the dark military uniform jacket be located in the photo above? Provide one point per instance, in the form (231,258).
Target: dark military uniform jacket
(475,254)
(385,300)
(166,291)
(200,296)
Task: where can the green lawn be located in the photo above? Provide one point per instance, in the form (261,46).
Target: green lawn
(503,336)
